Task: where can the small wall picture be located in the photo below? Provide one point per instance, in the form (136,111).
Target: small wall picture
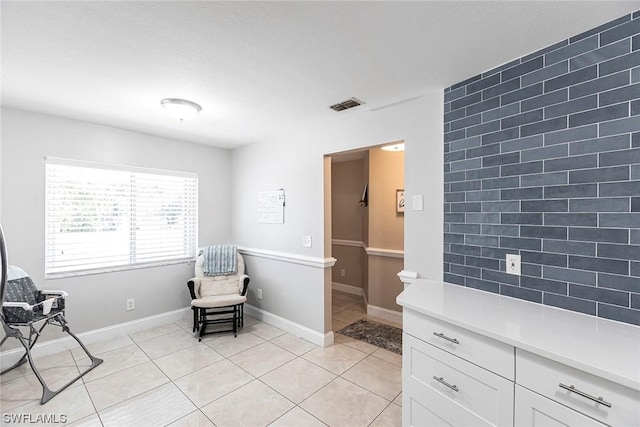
(400,201)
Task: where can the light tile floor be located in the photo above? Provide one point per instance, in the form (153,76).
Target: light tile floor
(346,309)
(349,308)
(164,376)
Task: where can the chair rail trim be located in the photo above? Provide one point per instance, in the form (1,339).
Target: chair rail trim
(289,257)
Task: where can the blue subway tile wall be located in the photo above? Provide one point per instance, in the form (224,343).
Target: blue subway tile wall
(542,159)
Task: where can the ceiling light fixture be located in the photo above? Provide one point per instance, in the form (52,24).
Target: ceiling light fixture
(180,108)
(394,147)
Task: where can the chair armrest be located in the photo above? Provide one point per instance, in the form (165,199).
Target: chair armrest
(244,281)
(194,287)
(22,305)
(63,294)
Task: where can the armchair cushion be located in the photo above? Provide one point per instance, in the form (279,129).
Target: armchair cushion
(218,301)
(205,286)
(210,288)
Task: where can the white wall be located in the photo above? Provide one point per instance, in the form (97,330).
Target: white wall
(424,176)
(295,290)
(294,162)
(98,300)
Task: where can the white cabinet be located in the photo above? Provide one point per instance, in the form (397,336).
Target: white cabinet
(427,409)
(472,358)
(596,397)
(463,393)
(533,410)
(490,354)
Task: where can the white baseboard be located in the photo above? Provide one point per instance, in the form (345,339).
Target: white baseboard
(349,289)
(385,314)
(317,338)
(9,357)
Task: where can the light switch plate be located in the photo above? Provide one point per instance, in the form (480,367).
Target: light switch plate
(417,202)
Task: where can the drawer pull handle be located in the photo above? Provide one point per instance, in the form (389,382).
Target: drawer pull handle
(441,381)
(444,337)
(572,389)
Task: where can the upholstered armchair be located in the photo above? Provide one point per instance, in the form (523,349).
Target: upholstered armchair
(218,299)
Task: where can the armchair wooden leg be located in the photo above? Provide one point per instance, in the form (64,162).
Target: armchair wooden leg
(202,322)
(195,319)
(235,320)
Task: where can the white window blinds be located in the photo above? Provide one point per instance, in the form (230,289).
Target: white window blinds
(108,217)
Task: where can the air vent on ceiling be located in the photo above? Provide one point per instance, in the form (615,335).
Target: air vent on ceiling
(345,105)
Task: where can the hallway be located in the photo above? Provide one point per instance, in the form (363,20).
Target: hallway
(346,309)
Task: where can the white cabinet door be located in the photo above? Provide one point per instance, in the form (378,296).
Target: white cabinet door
(465,385)
(579,390)
(442,389)
(533,410)
(492,355)
(424,407)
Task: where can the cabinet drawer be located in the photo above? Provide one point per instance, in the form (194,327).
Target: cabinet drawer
(435,372)
(544,376)
(533,410)
(490,354)
(426,408)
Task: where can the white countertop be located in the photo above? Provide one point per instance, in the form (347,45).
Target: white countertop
(598,346)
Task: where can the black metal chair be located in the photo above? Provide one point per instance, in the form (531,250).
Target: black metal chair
(24,306)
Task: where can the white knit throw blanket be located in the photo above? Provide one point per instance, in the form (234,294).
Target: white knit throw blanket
(220,260)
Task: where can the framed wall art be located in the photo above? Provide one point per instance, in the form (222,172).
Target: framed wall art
(400,201)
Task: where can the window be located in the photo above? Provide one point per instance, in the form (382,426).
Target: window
(107,217)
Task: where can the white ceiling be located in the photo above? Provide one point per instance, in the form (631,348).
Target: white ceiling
(258,68)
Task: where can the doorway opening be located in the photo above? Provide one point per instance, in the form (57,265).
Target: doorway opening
(365,234)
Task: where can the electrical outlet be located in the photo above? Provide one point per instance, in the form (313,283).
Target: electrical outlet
(306,241)
(259,293)
(513,264)
(343,272)
(131,304)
